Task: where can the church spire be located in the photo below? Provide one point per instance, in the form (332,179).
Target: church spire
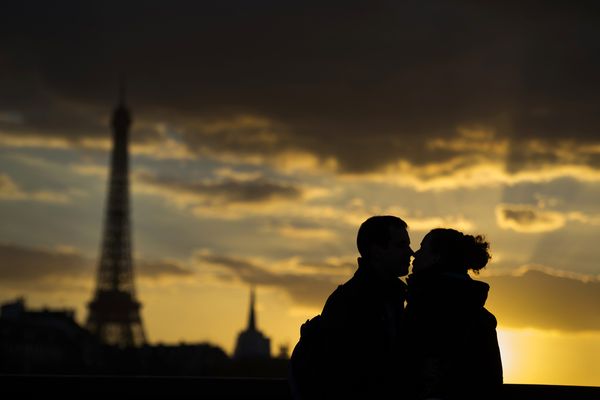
(252,316)
(252,343)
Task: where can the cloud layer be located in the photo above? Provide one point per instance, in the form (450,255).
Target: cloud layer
(533,219)
(355,88)
(528,219)
(306,289)
(534,297)
(545,299)
(57,269)
(10,191)
(230,191)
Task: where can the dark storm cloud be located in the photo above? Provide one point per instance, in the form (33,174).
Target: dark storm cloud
(546,301)
(24,264)
(229,190)
(28,266)
(363,83)
(307,290)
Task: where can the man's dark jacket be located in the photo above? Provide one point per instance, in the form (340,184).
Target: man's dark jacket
(363,331)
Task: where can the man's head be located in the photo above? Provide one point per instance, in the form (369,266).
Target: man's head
(384,243)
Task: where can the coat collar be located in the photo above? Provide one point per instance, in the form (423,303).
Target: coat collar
(449,288)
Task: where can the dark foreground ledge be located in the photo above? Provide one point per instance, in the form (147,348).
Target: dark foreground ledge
(152,387)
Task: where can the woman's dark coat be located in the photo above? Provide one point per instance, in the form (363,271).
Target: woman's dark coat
(452,337)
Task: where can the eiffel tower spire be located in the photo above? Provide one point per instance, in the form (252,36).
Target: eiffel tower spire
(114,312)
(122,91)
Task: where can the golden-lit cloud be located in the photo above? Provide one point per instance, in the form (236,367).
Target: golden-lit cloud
(245,131)
(225,198)
(303,233)
(100,171)
(472,158)
(11,191)
(161,148)
(588,219)
(533,219)
(472,140)
(33,141)
(156,269)
(334,266)
(302,283)
(429,223)
(528,219)
(221,190)
(235,195)
(543,298)
(471,173)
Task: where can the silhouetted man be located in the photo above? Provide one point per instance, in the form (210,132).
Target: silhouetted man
(361,327)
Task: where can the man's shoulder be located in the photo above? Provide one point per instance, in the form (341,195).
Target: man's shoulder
(350,290)
(344,296)
(338,296)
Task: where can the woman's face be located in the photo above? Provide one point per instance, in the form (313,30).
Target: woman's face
(425,258)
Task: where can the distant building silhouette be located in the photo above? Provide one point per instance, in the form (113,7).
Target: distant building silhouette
(114,312)
(252,343)
(183,359)
(49,341)
(284,352)
(43,341)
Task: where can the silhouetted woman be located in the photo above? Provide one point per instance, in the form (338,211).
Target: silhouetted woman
(452,337)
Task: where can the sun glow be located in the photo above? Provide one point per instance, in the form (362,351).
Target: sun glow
(550,357)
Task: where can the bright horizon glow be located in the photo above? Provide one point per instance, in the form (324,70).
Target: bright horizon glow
(535,356)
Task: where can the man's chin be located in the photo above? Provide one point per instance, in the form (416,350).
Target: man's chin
(402,272)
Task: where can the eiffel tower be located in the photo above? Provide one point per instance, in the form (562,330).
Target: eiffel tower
(114,312)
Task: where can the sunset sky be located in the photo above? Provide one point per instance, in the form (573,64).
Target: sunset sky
(265,132)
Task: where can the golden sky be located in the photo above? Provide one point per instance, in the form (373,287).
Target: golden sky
(265,133)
